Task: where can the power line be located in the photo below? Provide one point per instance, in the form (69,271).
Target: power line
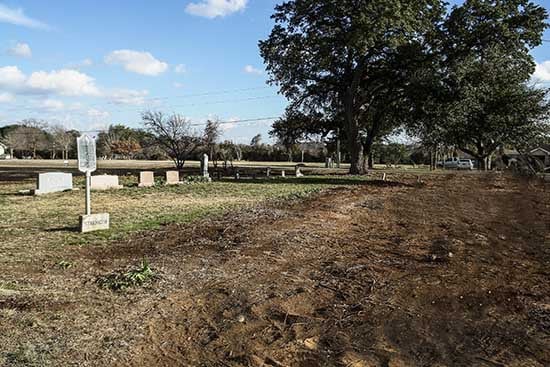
(200,94)
(133,109)
(144,99)
(228,122)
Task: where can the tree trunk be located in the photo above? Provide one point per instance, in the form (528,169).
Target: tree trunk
(354,140)
(371,160)
(481,163)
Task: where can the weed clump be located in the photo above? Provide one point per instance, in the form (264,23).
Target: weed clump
(132,278)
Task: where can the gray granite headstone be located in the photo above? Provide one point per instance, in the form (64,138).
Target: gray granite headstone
(53,182)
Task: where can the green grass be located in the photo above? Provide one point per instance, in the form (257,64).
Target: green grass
(48,222)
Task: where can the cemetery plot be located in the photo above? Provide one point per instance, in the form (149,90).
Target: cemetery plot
(395,273)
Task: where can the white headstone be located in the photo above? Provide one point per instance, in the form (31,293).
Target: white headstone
(146,179)
(105,182)
(172,177)
(283,174)
(298,172)
(204,166)
(53,182)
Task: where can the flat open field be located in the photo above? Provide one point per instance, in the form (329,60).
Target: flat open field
(319,271)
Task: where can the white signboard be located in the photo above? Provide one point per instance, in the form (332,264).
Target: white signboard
(87,161)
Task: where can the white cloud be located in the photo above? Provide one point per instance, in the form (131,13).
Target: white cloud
(177,85)
(230,124)
(180,69)
(128,96)
(65,82)
(542,72)
(11,77)
(249,69)
(6,97)
(137,62)
(17,16)
(21,50)
(215,8)
(52,104)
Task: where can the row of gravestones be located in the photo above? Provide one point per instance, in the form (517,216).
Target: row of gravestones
(59,181)
(147,178)
(297,172)
(51,182)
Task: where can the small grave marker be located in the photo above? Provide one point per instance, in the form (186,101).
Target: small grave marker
(146,179)
(105,182)
(172,178)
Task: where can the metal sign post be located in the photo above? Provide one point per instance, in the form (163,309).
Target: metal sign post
(87,163)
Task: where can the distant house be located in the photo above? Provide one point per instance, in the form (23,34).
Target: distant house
(4,152)
(542,153)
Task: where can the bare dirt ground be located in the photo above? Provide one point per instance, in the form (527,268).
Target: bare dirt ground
(452,272)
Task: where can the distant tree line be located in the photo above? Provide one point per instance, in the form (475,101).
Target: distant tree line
(160,137)
(33,138)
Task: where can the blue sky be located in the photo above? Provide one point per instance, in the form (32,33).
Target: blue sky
(86,64)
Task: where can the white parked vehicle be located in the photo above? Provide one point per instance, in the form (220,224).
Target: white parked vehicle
(456,163)
(451,163)
(465,164)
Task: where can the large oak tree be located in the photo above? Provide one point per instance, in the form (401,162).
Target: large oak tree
(343,55)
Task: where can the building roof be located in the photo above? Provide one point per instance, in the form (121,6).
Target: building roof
(544,148)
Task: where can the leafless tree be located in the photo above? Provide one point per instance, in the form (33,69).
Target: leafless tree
(62,139)
(173,134)
(34,135)
(14,140)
